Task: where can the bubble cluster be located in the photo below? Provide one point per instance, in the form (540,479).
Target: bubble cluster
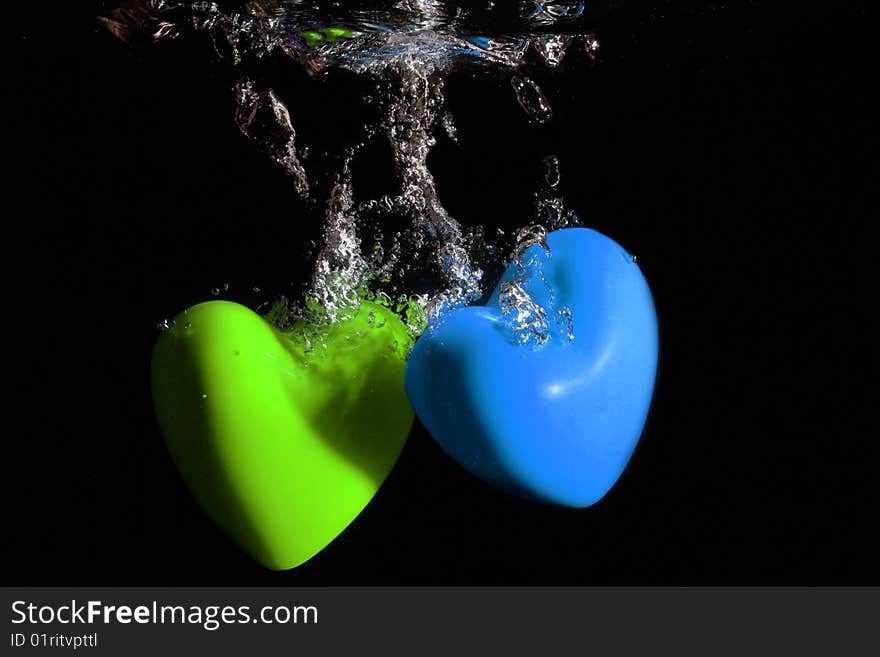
(531,321)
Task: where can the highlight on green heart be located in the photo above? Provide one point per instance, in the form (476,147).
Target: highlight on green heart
(526,347)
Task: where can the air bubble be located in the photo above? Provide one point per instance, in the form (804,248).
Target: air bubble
(531,99)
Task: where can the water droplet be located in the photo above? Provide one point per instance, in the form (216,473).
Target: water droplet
(531,99)
(552,174)
(552,49)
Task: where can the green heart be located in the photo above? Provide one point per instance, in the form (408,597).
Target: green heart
(282,440)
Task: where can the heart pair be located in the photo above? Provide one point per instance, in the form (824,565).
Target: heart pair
(283,442)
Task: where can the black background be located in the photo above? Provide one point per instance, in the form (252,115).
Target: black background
(724,144)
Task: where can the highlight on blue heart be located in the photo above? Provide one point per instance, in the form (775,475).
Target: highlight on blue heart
(544,391)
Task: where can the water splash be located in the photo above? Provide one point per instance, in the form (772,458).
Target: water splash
(529,320)
(415,108)
(263,118)
(340,268)
(406,48)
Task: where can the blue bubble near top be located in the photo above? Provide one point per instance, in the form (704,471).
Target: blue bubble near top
(544,391)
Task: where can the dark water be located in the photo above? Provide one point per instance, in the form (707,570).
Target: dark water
(723,144)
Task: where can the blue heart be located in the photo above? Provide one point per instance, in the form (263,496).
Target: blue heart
(544,391)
